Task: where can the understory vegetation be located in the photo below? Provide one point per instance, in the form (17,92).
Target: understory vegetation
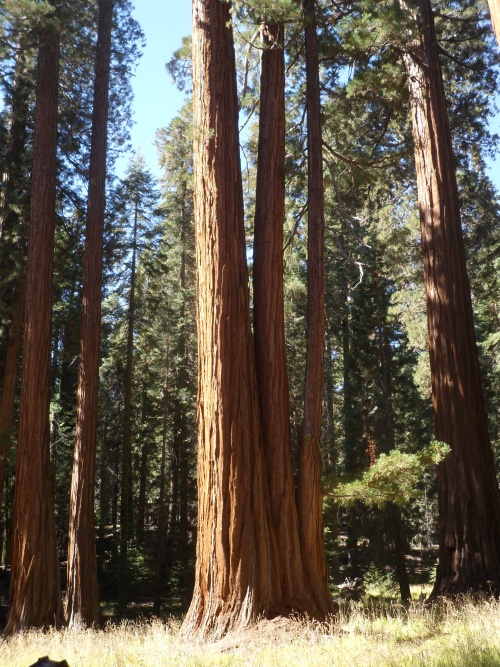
(464,633)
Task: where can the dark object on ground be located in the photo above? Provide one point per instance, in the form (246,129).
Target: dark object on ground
(351,589)
(46,662)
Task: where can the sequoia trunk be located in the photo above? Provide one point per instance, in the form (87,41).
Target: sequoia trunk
(469,499)
(310,497)
(82,600)
(269,318)
(236,578)
(35,588)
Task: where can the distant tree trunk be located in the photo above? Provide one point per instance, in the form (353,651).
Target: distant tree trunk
(141,503)
(105,484)
(35,586)
(161,500)
(236,577)
(469,499)
(269,318)
(13,225)
(310,496)
(392,512)
(9,383)
(82,598)
(494,6)
(126,517)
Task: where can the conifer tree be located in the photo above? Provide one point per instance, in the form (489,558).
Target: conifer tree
(236,577)
(469,498)
(310,497)
(82,597)
(35,585)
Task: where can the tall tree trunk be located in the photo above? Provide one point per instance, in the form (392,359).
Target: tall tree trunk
(269,318)
(82,598)
(310,496)
(161,500)
(469,499)
(236,578)
(141,503)
(35,586)
(494,6)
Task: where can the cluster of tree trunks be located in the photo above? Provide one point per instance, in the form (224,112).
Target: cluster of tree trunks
(260,547)
(228,480)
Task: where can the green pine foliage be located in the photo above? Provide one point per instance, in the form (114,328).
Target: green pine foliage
(393,478)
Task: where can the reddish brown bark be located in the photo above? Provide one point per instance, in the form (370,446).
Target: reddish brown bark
(310,496)
(35,588)
(82,599)
(494,6)
(469,499)
(269,319)
(236,578)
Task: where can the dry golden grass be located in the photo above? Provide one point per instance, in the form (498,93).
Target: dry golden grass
(452,635)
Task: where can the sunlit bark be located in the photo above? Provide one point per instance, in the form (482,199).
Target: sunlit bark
(236,578)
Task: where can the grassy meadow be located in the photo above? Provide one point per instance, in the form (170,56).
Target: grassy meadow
(464,634)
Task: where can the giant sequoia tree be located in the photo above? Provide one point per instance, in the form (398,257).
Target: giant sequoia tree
(269,322)
(469,499)
(82,599)
(35,587)
(310,497)
(236,575)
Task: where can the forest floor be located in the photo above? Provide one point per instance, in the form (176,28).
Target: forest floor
(463,634)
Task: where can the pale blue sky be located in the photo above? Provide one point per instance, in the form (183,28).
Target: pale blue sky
(156,98)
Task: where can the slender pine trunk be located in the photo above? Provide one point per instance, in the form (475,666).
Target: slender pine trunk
(126,490)
(161,500)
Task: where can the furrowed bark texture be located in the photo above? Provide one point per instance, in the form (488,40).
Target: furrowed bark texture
(269,319)
(35,588)
(494,6)
(82,599)
(310,497)
(469,499)
(235,578)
